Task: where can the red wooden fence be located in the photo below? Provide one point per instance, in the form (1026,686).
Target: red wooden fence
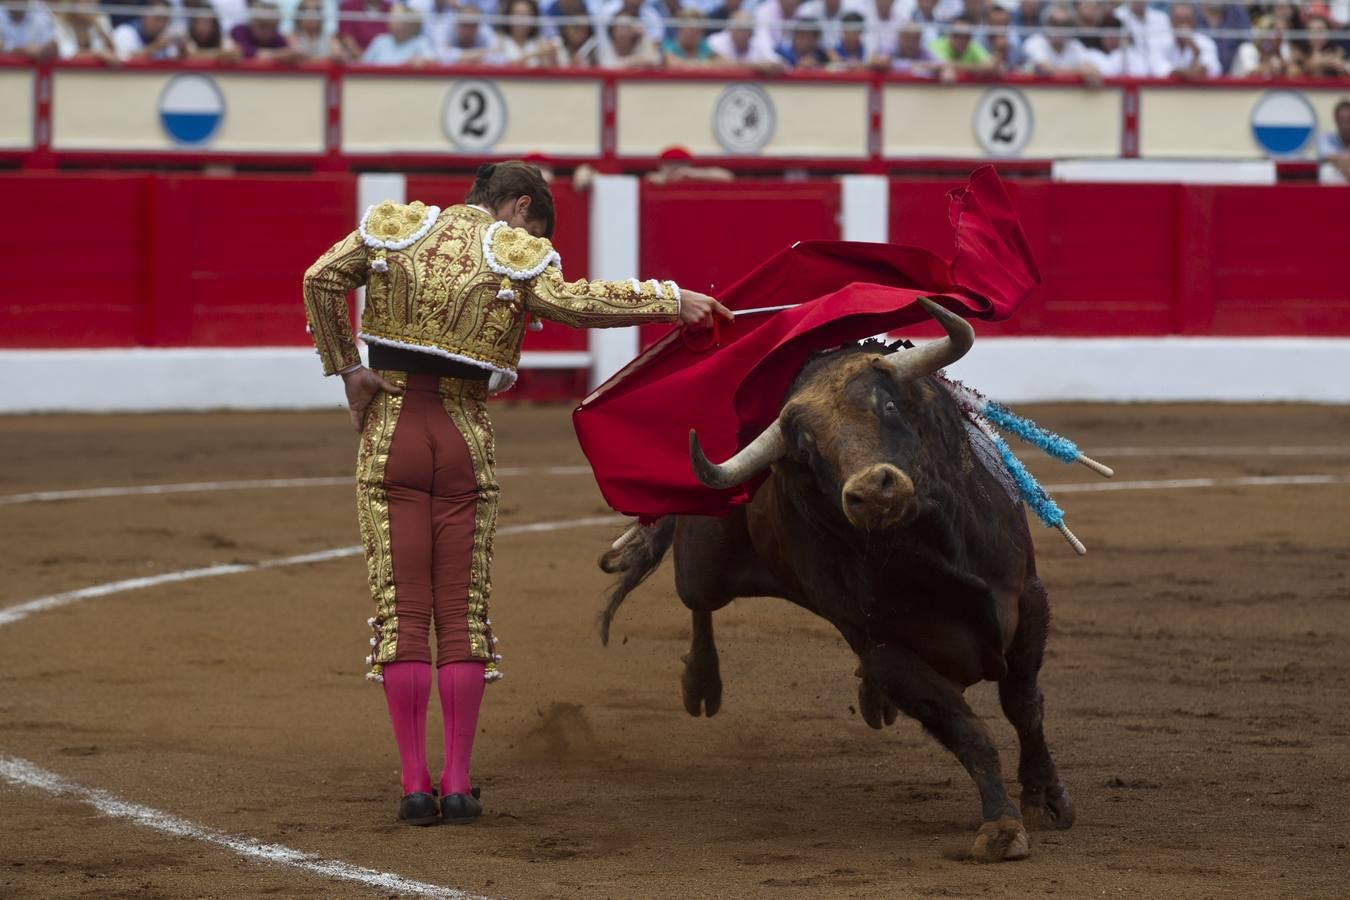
(121,260)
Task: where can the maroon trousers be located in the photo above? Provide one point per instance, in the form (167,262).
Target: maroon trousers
(427,501)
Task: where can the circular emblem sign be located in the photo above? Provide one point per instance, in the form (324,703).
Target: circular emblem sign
(743,118)
(1003,121)
(1283,122)
(474,115)
(191,109)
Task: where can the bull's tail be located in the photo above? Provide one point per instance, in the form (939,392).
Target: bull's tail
(633,561)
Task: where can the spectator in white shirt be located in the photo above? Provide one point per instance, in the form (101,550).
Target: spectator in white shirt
(643,12)
(1266,55)
(438,23)
(519,38)
(470,42)
(575,43)
(883,28)
(928,14)
(28,31)
(911,53)
(1151,31)
(770,17)
(403,44)
(205,39)
(84,33)
(1119,55)
(741,45)
(628,45)
(1054,51)
(150,36)
(1333,149)
(1191,56)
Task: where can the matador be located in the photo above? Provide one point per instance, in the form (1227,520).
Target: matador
(449,293)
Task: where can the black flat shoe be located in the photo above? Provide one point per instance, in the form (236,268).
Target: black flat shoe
(418,809)
(461,809)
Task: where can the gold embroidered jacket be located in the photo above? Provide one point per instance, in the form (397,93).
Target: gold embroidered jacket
(455,283)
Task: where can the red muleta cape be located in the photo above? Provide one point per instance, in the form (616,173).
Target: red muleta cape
(634,429)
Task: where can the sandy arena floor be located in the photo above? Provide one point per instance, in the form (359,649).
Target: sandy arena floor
(1196,685)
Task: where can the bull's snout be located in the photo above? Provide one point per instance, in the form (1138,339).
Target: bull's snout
(877,497)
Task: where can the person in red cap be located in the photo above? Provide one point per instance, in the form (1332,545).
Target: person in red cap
(677,164)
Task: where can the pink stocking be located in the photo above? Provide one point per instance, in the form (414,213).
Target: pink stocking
(407,688)
(461,689)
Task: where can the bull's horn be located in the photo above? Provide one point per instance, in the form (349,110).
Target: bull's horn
(928,358)
(757,456)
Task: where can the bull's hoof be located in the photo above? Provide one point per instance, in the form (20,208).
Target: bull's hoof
(701,687)
(1001,841)
(876,708)
(1047,808)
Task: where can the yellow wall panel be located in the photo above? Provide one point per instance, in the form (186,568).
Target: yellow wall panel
(101,110)
(16,99)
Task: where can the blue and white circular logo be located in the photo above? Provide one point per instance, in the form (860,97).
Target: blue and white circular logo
(1283,122)
(191,109)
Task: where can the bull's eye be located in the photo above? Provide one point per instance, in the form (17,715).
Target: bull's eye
(889,409)
(806,445)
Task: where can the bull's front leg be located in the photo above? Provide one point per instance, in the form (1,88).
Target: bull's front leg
(701,683)
(939,707)
(1045,802)
(877,709)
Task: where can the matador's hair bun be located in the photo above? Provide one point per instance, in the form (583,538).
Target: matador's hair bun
(498,183)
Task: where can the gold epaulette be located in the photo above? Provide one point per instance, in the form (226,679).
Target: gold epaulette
(394,226)
(516,254)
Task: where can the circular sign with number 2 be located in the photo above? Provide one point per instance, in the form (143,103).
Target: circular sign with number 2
(474,115)
(1003,121)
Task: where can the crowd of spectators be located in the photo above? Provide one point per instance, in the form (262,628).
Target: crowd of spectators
(1087,38)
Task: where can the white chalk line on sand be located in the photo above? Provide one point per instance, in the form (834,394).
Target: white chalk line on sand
(24,774)
(1174,484)
(249,484)
(1223,451)
(12,614)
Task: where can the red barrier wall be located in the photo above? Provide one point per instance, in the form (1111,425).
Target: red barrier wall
(706,236)
(113,260)
(1162,259)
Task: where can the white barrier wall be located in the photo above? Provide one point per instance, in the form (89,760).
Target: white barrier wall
(1235,122)
(1165,171)
(713,118)
(506,116)
(17,101)
(173,111)
(1014,370)
(840,118)
(972,121)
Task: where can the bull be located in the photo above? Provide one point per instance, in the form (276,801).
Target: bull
(886,514)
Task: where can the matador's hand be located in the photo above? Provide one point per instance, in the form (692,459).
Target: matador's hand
(697,310)
(362,386)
